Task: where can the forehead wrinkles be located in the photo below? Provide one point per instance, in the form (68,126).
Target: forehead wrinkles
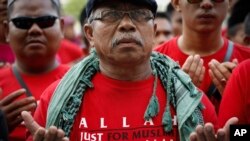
(33,8)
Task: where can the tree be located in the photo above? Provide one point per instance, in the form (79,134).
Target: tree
(73,7)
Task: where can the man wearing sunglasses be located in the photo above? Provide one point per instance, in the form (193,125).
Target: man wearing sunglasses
(34,31)
(201,50)
(122,90)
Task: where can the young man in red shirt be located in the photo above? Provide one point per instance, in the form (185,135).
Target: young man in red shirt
(34,33)
(201,50)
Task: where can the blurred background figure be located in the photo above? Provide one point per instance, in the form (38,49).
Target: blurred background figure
(69,31)
(164,28)
(235,25)
(6,54)
(247,29)
(176,20)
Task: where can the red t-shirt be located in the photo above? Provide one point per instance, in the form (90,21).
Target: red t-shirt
(6,54)
(114,110)
(35,83)
(69,52)
(236,98)
(172,49)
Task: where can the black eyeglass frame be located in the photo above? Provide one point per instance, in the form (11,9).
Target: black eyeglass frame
(101,15)
(27,22)
(198,1)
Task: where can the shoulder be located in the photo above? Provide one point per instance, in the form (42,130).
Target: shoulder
(5,72)
(163,48)
(241,52)
(47,94)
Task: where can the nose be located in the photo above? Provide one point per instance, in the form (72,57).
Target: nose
(206,4)
(35,29)
(126,24)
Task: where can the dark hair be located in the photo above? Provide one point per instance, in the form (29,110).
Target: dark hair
(247,24)
(239,12)
(83,16)
(55,4)
(162,15)
(170,9)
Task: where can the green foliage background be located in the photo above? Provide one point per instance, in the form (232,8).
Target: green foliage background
(74,7)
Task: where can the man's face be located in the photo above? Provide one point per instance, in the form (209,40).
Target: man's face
(164,30)
(204,16)
(126,40)
(34,42)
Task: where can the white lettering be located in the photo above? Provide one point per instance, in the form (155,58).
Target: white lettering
(124,122)
(91,137)
(240,132)
(174,120)
(150,121)
(102,123)
(83,123)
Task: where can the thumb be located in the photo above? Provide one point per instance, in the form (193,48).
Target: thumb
(30,123)
(231,121)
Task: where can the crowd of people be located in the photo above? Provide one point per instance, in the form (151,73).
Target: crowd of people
(136,74)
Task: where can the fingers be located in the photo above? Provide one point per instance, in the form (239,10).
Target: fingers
(223,134)
(14,122)
(199,73)
(30,124)
(194,67)
(216,82)
(55,134)
(200,133)
(51,134)
(187,63)
(13,96)
(193,136)
(219,74)
(209,132)
(24,104)
(39,134)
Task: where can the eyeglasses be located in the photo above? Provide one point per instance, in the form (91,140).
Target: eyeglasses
(110,16)
(27,22)
(198,1)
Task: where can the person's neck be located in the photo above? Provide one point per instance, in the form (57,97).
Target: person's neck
(202,44)
(33,70)
(127,73)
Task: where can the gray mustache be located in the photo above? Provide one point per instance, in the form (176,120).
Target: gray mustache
(134,39)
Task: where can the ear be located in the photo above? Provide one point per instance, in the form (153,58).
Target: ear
(62,27)
(230,4)
(155,29)
(88,30)
(176,5)
(6,30)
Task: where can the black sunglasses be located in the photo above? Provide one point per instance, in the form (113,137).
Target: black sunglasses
(198,1)
(27,22)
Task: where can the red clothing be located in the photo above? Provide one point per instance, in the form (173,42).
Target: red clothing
(69,52)
(6,54)
(35,83)
(236,98)
(114,110)
(172,49)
